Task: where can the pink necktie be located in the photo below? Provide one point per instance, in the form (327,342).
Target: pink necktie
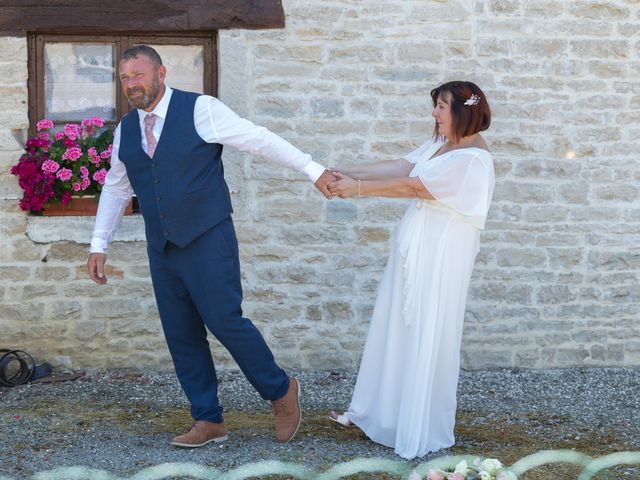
(149,122)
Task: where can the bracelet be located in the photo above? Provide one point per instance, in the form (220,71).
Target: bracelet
(358,188)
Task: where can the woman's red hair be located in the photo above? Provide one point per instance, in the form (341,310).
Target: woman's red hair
(466,119)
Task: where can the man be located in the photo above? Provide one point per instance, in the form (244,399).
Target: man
(168,151)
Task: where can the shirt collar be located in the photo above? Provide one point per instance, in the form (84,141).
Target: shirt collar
(161,108)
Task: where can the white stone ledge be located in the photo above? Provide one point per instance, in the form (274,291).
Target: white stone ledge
(79,229)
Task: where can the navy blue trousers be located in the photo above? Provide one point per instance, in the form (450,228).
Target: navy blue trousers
(198,288)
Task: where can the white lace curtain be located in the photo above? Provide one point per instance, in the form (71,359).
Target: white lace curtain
(80,77)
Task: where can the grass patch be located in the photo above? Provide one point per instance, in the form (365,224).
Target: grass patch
(508,437)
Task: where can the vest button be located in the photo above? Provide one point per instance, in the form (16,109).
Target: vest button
(162,215)
(166,234)
(156,181)
(158,199)
(154,164)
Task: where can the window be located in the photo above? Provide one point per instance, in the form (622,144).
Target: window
(75,77)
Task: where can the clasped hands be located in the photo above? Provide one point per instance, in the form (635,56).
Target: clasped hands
(334,183)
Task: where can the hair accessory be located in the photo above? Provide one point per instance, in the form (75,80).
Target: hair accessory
(472,100)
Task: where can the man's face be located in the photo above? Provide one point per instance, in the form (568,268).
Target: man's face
(141,81)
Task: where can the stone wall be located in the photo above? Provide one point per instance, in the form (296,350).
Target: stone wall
(557,281)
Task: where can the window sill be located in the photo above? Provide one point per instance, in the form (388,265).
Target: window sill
(79,229)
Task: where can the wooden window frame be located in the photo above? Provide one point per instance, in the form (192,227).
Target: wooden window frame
(36,43)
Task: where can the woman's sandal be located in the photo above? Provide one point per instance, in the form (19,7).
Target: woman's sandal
(341,419)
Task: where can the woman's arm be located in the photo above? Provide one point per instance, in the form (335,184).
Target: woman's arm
(400,187)
(378,170)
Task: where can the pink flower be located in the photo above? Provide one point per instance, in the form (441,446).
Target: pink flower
(59,135)
(72,130)
(67,142)
(84,171)
(100,176)
(435,475)
(43,136)
(37,184)
(50,166)
(92,152)
(105,154)
(85,183)
(64,174)
(44,124)
(65,198)
(72,154)
(77,187)
(96,160)
(97,122)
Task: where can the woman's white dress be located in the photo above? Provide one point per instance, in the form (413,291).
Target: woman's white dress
(405,395)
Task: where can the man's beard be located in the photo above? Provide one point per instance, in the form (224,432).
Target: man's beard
(147,98)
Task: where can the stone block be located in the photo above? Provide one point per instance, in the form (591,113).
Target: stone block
(313,313)
(599,10)
(539,47)
(48,274)
(543,8)
(357,54)
(289,210)
(546,214)
(565,258)
(280,107)
(368,235)
(341,211)
(14,274)
(38,291)
(298,53)
(327,108)
(524,192)
(606,48)
(337,312)
(617,193)
(89,329)
(21,312)
(64,310)
(305,236)
(474,359)
(108,309)
(525,258)
(422,52)
(555,294)
(619,261)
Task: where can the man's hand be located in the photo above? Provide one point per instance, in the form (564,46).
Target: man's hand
(95,265)
(321,183)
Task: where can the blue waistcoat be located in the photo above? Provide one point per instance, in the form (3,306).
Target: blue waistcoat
(181,190)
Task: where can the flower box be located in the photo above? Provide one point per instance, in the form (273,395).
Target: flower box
(66,164)
(78,206)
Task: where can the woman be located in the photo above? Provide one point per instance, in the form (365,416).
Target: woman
(405,395)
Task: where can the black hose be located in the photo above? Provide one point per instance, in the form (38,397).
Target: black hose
(16,367)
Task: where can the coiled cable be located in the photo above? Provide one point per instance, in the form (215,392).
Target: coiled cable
(16,367)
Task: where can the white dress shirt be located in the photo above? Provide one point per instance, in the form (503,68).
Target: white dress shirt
(215,123)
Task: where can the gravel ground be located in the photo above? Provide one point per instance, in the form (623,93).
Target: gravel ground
(122,422)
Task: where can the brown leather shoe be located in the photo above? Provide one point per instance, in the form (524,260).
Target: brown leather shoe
(201,433)
(287,412)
